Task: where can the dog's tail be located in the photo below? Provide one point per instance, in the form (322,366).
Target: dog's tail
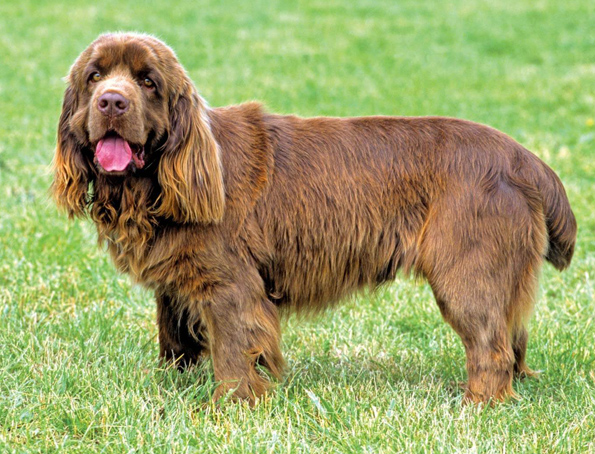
(559,218)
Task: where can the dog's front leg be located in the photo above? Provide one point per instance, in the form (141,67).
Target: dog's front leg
(181,333)
(243,331)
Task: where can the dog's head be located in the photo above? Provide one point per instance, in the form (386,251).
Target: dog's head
(130,110)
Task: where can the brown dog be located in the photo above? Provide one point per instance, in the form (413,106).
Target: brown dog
(232,214)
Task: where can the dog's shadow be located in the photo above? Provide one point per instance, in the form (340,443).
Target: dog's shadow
(373,375)
(351,375)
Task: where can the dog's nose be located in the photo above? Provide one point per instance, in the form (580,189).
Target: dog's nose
(112,104)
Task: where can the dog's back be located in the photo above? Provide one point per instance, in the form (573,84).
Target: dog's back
(348,201)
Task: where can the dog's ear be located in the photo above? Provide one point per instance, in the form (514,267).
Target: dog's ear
(71,171)
(190,173)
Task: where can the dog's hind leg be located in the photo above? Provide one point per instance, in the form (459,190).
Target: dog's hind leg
(519,346)
(480,253)
(484,333)
(520,309)
(529,258)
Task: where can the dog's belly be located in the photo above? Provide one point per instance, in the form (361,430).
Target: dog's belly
(319,260)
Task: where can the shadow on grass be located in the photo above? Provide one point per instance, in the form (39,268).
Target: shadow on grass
(348,375)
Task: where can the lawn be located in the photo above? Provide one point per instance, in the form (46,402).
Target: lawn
(78,349)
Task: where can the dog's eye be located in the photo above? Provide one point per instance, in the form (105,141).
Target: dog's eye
(148,83)
(95,77)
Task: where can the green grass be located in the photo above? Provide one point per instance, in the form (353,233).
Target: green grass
(78,350)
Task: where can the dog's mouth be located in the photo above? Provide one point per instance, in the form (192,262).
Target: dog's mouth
(115,154)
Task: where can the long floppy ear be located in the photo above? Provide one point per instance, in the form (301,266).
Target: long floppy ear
(190,172)
(71,171)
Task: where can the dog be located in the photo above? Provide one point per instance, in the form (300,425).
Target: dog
(233,215)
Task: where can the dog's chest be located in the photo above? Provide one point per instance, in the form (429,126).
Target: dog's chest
(129,248)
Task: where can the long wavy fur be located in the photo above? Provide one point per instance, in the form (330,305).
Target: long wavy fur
(72,170)
(190,173)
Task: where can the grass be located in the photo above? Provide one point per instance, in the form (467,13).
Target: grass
(78,351)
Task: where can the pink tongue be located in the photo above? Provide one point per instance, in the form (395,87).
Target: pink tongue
(113,154)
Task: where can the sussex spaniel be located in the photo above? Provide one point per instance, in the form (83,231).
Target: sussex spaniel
(232,215)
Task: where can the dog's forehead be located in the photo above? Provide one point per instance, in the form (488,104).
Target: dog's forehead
(133,54)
